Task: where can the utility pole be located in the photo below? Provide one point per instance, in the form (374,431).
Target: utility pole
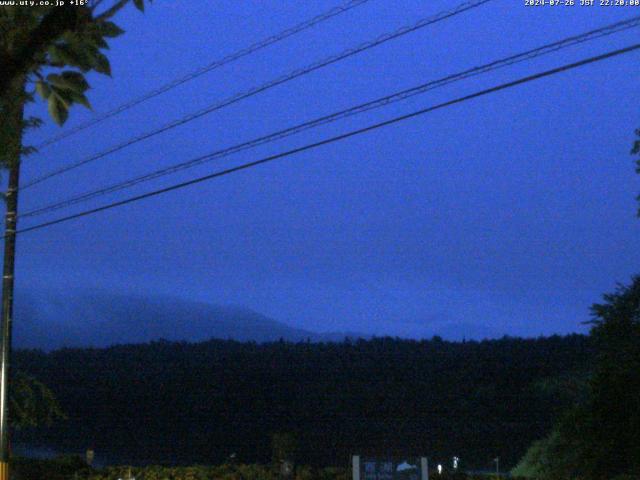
(497,460)
(13,110)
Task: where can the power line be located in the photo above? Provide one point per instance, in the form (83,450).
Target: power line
(380,102)
(337,138)
(273,83)
(208,68)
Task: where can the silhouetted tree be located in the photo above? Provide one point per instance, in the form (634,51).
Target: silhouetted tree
(600,438)
(32,403)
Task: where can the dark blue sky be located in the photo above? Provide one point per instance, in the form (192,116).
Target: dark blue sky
(509,214)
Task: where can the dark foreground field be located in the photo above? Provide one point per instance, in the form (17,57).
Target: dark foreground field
(184,404)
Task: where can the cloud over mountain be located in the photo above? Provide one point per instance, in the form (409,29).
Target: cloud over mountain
(53,321)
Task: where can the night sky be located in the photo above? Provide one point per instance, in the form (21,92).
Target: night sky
(509,214)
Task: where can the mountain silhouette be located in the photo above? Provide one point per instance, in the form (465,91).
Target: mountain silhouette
(48,321)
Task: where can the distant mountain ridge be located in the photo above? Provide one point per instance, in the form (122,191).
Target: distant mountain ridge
(99,320)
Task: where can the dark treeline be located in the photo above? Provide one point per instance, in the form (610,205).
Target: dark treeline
(181,403)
